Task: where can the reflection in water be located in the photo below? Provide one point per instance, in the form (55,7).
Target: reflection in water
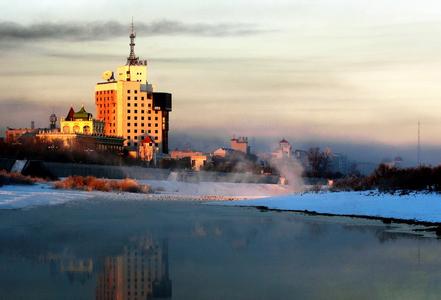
(76,269)
(140,272)
(119,250)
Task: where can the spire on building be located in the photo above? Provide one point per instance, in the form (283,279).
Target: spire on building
(133,60)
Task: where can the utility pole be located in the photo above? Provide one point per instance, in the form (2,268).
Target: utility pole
(419,145)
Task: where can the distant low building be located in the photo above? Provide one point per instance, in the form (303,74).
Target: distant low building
(147,149)
(81,122)
(83,141)
(13,134)
(198,159)
(284,151)
(240,144)
(177,154)
(223,152)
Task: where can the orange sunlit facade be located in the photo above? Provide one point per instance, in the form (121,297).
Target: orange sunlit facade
(130,108)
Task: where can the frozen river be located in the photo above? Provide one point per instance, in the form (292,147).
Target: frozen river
(98,249)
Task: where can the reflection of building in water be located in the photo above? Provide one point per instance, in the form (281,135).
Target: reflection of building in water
(140,272)
(76,269)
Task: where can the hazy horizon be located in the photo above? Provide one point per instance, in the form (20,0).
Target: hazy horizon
(355,76)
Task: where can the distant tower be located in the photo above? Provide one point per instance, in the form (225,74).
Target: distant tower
(32,124)
(419,145)
(133,60)
(53,122)
(138,111)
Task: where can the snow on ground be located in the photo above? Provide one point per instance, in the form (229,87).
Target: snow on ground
(21,196)
(418,206)
(220,189)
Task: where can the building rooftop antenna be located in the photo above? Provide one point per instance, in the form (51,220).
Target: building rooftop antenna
(419,145)
(132,59)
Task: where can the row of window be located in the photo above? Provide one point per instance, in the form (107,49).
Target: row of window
(142,124)
(136,144)
(140,137)
(107,105)
(135,111)
(136,104)
(105,92)
(104,98)
(104,111)
(142,130)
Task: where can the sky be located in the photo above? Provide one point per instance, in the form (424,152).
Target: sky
(354,75)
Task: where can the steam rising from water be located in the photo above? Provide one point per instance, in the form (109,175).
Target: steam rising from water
(292,171)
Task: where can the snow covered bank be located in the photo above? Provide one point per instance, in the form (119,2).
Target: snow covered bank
(418,207)
(20,196)
(213,189)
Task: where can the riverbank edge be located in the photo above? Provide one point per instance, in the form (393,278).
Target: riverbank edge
(431,226)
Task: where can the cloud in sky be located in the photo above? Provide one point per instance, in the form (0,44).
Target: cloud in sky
(84,31)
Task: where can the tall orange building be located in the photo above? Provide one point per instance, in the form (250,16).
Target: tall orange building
(129,106)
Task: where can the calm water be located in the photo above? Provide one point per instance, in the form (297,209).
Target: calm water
(186,250)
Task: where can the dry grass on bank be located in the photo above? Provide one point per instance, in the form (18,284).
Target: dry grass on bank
(91,183)
(7,178)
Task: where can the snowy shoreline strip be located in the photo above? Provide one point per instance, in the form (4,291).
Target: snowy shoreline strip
(417,207)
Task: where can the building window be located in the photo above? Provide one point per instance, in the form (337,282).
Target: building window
(142,111)
(128,104)
(135,144)
(128,97)
(156,118)
(149,112)
(150,105)
(136,124)
(142,124)
(128,117)
(150,125)
(136,111)
(142,118)
(136,92)
(128,130)
(156,124)
(128,124)
(135,131)
(136,104)
(136,118)
(156,131)
(142,98)
(149,118)
(150,131)
(142,130)
(128,91)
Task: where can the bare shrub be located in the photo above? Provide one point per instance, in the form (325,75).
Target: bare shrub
(91,183)
(387,179)
(7,178)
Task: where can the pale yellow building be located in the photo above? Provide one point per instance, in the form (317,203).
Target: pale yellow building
(81,122)
(129,107)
